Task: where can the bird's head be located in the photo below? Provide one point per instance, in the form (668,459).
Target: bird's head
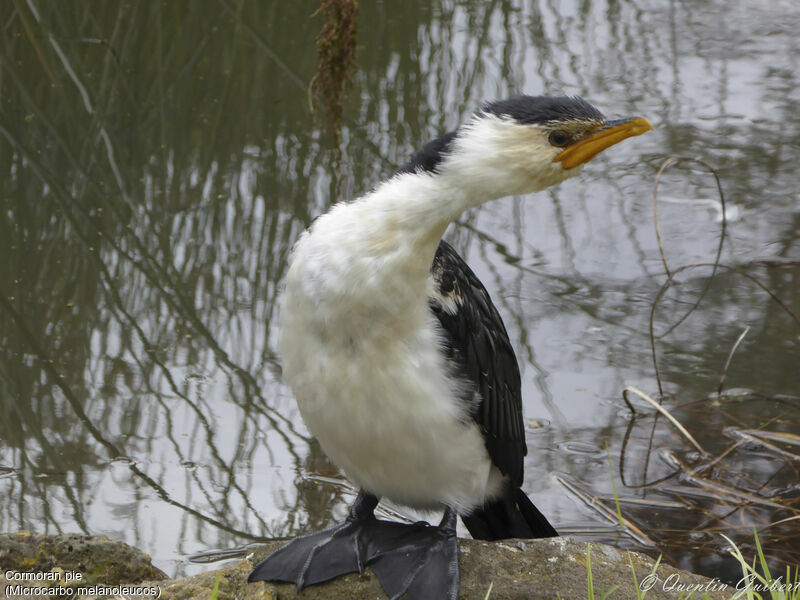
(524,144)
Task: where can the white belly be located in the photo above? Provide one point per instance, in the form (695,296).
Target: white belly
(364,363)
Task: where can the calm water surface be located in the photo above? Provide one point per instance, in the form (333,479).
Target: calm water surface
(157,160)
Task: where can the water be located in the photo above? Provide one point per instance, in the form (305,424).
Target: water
(158,160)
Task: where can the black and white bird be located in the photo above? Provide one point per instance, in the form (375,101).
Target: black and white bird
(401,365)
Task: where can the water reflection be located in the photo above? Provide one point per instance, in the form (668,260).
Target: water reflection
(159,160)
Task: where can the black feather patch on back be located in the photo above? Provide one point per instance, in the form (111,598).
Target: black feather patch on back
(427,159)
(475,342)
(537,110)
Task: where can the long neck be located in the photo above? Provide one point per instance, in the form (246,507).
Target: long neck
(363,269)
(374,254)
(417,207)
(367,262)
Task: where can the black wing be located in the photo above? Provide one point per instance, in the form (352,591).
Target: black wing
(477,344)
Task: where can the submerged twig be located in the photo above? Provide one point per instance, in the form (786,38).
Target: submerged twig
(668,162)
(716,459)
(728,362)
(723,224)
(673,160)
(622,452)
(715,266)
(666,413)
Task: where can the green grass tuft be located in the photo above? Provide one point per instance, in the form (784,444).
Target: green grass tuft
(489,591)
(763,583)
(215,591)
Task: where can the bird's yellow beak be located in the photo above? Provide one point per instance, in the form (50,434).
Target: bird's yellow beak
(593,144)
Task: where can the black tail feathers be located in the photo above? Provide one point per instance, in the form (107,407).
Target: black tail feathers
(512,515)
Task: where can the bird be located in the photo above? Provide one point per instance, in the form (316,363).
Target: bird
(400,363)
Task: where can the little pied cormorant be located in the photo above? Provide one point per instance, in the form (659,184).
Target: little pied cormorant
(399,361)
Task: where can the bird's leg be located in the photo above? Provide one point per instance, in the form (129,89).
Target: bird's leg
(326,554)
(419,561)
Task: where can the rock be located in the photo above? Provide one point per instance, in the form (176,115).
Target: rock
(523,570)
(97,558)
(515,570)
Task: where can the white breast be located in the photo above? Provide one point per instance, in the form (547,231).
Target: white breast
(361,352)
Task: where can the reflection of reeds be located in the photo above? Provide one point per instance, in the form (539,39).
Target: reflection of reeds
(166,254)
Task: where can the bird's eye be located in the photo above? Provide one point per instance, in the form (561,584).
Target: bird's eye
(559,138)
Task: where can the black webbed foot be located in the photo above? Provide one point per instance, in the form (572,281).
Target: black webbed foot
(326,554)
(416,562)
(420,561)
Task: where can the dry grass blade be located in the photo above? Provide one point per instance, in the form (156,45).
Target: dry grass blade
(666,413)
(720,490)
(649,503)
(597,504)
(756,439)
(782,521)
(776,436)
(730,357)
